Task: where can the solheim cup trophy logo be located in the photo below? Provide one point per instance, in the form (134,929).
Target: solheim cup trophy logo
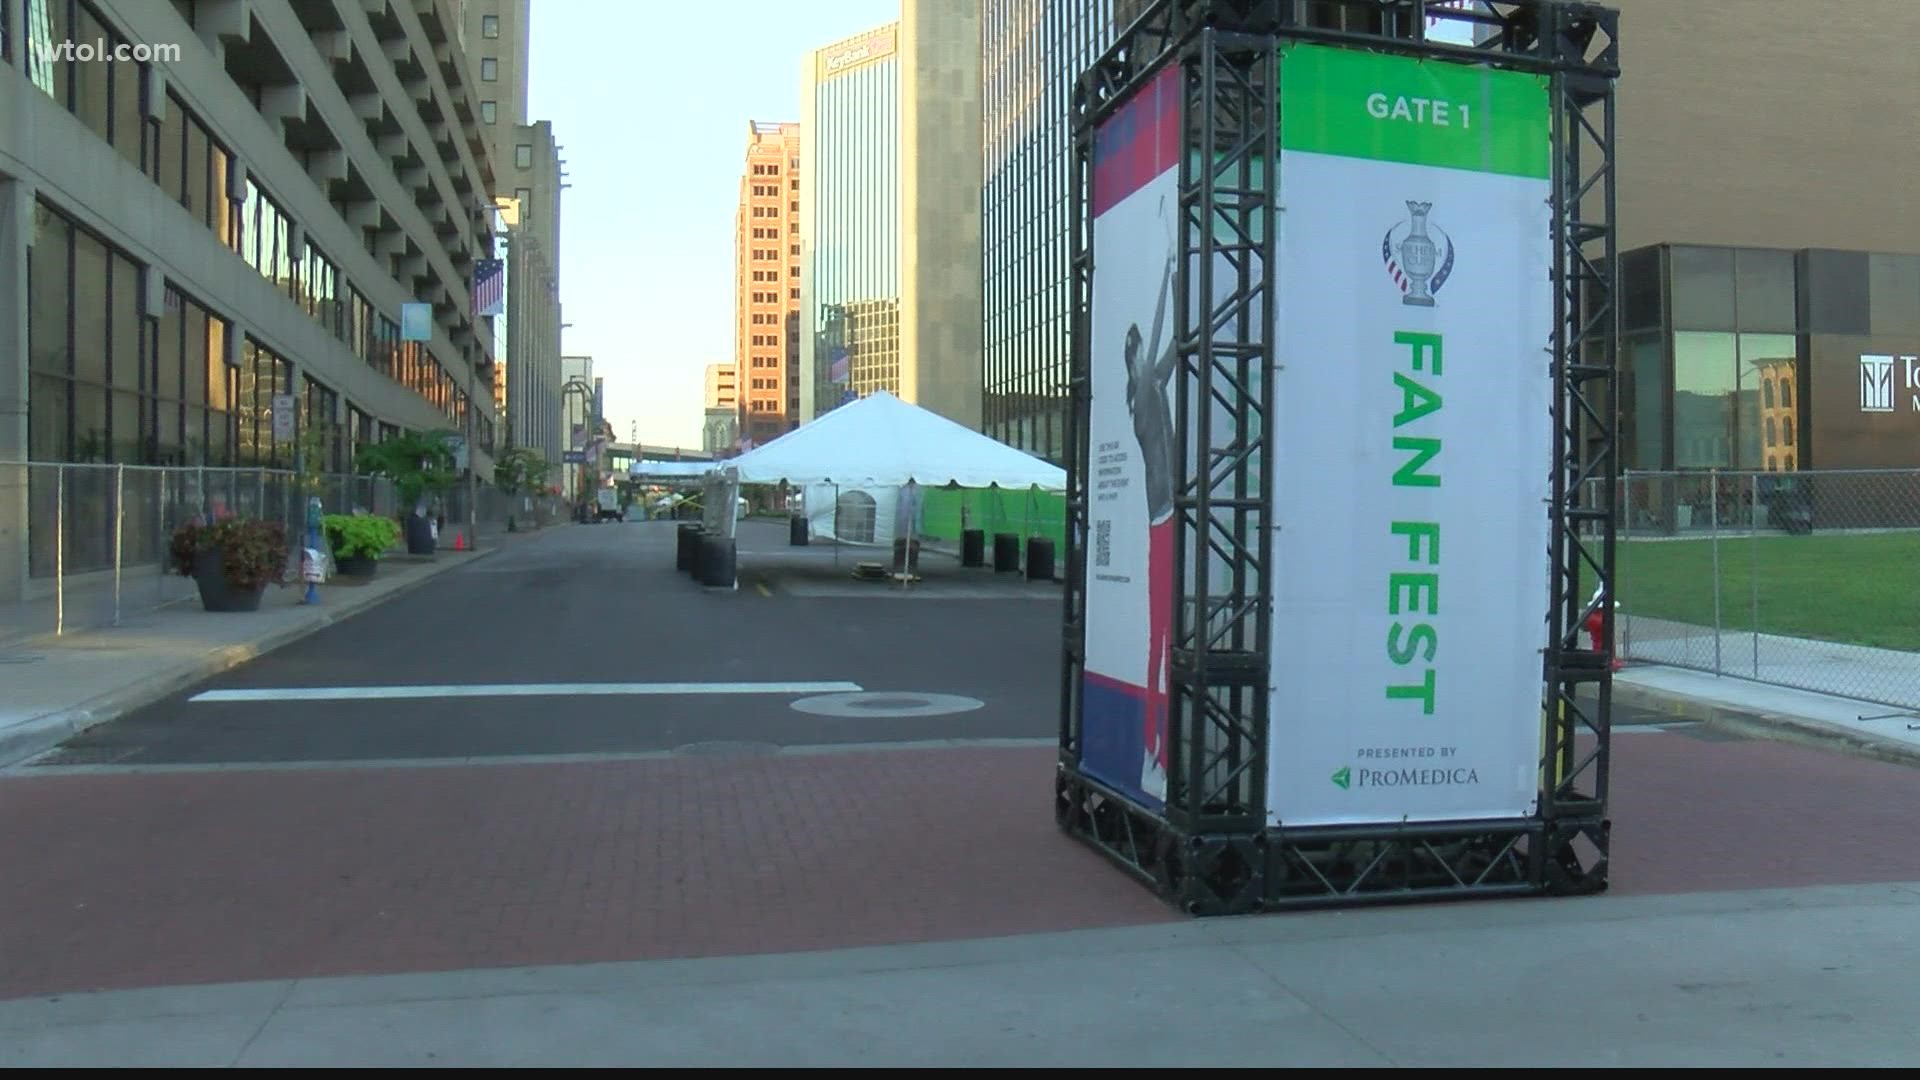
(1417,264)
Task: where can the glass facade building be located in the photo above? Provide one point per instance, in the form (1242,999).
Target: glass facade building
(850,220)
(1769,360)
(1031,52)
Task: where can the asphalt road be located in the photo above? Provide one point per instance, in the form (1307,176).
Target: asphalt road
(603,604)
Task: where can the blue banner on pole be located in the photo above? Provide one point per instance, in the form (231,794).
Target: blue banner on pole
(416,322)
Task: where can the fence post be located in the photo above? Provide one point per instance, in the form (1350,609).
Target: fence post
(59,550)
(1622,619)
(119,533)
(1753,561)
(162,542)
(1713,525)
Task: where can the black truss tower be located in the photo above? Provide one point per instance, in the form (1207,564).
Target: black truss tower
(1210,849)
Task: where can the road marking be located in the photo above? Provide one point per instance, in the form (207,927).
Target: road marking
(378,693)
(32,767)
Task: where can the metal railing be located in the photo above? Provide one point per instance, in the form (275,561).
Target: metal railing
(1802,579)
(98,536)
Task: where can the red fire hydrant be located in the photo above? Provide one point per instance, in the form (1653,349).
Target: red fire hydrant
(1595,625)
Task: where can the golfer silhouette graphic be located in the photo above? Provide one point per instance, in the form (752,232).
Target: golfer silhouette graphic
(1149,364)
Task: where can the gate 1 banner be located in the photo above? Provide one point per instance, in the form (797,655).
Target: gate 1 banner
(1413,440)
(1130,541)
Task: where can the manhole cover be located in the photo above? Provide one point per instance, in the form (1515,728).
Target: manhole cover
(727,749)
(890,705)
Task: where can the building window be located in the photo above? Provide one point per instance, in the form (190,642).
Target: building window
(489,111)
(489,70)
(523,156)
(489,26)
(523,196)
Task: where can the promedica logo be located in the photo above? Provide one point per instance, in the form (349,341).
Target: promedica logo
(1348,777)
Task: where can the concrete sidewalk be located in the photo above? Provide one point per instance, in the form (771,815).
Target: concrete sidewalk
(1762,710)
(54,687)
(1802,977)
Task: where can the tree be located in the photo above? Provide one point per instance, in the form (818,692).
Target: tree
(520,469)
(418,464)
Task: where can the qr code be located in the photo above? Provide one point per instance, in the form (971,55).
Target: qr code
(1102,543)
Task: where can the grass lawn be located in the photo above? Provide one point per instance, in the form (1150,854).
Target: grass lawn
(1855,588)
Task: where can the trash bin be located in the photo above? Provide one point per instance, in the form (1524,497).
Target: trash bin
(906,557)
(698,568)
(1006,552)
(973,547)
(689,536)
(716,561)
(797,532)
(1039,559)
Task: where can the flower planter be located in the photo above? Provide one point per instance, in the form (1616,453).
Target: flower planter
(356,566)
(216,593)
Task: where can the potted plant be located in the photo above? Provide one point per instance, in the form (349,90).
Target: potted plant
(357,541)
(419,465)
(232,560)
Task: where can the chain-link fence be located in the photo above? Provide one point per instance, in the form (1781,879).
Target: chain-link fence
(1802,579)
(97,536)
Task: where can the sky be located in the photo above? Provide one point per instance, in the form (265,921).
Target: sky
(650,103)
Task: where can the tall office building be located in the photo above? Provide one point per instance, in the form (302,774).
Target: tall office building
(495,35)
(530,201)
(890,223)
(1031,52)
(240,216)
(766,228)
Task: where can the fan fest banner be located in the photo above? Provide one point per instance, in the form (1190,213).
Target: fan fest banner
(1413,440)
(1129,546)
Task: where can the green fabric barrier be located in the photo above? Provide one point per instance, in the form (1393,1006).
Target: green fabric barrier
(994,510)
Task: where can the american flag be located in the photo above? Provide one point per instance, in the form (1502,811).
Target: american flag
(1393,264)
(840,369)
(489,287)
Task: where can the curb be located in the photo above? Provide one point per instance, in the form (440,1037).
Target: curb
(40,734)
(1779,727)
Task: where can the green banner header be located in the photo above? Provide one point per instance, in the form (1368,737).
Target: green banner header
(1413,110)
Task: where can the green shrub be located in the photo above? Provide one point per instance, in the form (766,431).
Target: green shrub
(352,536)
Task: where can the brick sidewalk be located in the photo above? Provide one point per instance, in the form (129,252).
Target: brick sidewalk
(124,880)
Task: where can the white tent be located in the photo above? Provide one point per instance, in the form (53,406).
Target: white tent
(860,468)
(881,441)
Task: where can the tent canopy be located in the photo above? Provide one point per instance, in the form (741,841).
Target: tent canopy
(885,442)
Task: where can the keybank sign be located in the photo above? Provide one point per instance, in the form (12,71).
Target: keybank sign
(1877,382)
